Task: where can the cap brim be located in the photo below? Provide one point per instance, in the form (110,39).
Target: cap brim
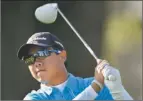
(23,50)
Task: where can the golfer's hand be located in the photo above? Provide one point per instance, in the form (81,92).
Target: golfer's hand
(105,73)
(112,79)
(98,71)
(109,73)
(99,78)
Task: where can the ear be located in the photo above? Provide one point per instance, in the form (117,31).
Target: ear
(63,55)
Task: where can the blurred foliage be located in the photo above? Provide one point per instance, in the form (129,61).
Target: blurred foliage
(122,33)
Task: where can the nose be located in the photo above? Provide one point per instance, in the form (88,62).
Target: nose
(38,64)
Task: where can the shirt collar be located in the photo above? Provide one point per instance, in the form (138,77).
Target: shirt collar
(69,84)
(47,89)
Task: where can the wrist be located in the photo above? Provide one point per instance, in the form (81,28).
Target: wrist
(96,87)
(98,83)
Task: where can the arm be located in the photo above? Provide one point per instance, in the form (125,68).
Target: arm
(94,90)
(91,92)
(116,89)
(88,94)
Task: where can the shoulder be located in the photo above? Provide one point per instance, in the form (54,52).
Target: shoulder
(34,95)
(83,81)
(87,80)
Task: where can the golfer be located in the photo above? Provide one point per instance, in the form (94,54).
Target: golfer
(46,57)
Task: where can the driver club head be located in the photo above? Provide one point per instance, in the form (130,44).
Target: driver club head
(47,13)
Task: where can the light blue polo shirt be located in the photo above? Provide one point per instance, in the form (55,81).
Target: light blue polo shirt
(73,87)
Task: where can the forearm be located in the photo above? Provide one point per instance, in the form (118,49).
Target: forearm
(121,95)
(88,94)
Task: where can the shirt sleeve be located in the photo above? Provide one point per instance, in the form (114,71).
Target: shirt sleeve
(87,94)
(104,94)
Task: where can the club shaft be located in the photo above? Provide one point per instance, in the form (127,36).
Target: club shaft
(82,40)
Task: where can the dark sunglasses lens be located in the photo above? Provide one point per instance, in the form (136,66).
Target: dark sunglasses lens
(29,60)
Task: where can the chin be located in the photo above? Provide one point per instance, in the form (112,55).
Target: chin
(38,79)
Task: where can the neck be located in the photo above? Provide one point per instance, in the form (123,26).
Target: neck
(59,79)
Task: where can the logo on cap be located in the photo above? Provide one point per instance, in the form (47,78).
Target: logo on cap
(38,38)
(35,39)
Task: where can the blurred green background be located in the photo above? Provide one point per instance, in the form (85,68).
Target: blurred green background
(113,29)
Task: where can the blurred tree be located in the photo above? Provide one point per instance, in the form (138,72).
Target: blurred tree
(122,43)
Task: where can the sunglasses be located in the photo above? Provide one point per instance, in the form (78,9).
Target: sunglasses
(30,59)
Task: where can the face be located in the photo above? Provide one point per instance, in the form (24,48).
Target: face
(49,67)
